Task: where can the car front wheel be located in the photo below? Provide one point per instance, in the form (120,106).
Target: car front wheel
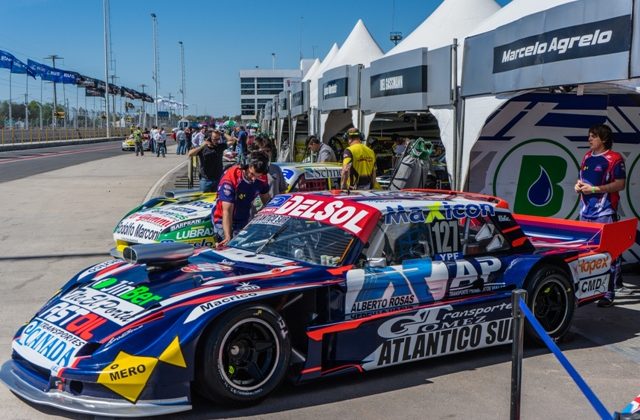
(551,299)
(244,356)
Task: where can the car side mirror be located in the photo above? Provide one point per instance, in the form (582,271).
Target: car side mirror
(377,262)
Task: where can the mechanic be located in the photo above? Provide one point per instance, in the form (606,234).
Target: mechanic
(322,151)
(137,138)
(358,164)
(210,157)
(238,187)
(602,176)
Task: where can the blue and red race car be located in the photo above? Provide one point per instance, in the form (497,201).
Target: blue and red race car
(317,284)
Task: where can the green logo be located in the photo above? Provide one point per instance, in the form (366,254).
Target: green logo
(539,191)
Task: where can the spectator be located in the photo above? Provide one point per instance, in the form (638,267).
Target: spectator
(238,187)
(602,176)
(152,138)
(322,151)
(358,163)
(277,184)
(181,137)
(210,157)
(189,133)
(399,146)
(198,138)
(161,142)
(137,138)
(241,148)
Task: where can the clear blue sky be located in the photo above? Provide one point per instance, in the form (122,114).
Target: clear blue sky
(220,38)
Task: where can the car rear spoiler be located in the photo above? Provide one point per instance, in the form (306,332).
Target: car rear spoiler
(612,238)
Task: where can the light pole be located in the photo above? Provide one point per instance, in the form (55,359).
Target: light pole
(53,58)
(154,21)
(105,4)
(183,76)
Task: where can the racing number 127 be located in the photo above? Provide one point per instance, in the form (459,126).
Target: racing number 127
(445,233)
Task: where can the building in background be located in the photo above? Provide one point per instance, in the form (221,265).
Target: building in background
(259,86)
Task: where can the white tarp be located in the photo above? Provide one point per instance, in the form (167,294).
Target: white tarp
(358,48)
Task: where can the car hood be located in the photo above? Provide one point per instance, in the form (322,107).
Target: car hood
(107,300)
(145,226)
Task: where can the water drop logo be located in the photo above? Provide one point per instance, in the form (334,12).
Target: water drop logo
(537,177)
(538,190)
(541,191)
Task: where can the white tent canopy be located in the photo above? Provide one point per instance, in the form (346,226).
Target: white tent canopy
(313,78)
(453,19)
(358,48)
(478,109)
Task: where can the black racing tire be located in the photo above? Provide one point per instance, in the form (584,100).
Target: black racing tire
(551,298)
(244,357)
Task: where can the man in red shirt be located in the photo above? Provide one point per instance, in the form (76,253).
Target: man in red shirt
(238,187)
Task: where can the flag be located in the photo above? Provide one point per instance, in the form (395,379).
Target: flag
(6,60)
(69,77)
(45,72)
(19,67)
(89,91)
(86,81)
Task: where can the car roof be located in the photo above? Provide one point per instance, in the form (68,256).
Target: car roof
(386,201)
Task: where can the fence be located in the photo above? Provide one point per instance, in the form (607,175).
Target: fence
(520,313)
(31,135)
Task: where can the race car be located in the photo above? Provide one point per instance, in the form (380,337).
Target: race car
(187,217)
(318,284)
(129,144)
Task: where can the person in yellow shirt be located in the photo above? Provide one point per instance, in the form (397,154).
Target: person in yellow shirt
(358,164)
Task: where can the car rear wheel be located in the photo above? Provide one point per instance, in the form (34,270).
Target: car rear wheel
(244,356)
(551,299)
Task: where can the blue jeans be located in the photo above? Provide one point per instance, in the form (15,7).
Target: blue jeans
(161,148)
(615,280)
(208,185)
(182,147)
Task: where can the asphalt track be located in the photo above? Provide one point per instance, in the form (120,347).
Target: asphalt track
(57,221)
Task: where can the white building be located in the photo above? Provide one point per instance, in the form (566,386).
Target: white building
(259,86)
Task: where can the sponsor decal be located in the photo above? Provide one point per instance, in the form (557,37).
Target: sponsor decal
(594,265)
(350,216)
(208,306)
(127,374)
(98,267)
(199,268)
(73,318)
(270,219)
(247,287)
(438,331)
(140,231)
(503,218)
(187,223)
(592,286)
(438,210)
(543,180)
(335,88)
(288,173)
(47,345)
(123,335)
(586,40)
(117,301)
(399,82)
(278,200)
(316,173)
(195,232)
(153,219)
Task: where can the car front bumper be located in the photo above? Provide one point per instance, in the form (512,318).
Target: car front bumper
(10,375)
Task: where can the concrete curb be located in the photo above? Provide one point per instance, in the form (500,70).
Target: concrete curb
(52,143)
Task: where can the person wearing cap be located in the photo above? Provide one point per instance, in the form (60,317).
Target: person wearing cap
(210,154)
(322,151)
(358,164)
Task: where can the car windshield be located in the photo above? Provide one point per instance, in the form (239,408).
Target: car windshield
(294,238)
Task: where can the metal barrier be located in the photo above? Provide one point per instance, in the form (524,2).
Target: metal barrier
(192,170)
(31,135)
(520,312)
